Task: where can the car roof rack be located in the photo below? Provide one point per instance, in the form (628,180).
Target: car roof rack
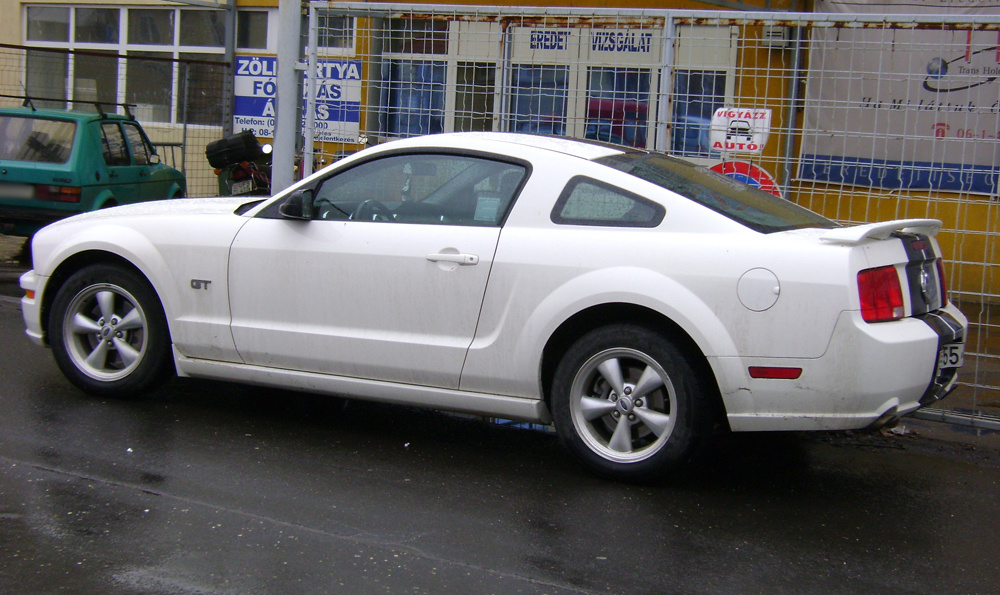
(27,101)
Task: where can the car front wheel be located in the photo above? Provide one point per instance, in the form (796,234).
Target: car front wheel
(626,404)
(109,333)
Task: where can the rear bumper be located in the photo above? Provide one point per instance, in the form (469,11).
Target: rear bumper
(870,375)
(25,221)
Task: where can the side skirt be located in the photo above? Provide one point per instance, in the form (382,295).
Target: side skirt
(513,408)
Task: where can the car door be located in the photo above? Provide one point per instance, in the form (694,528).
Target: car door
(150,186)
(123,179)
(385,276)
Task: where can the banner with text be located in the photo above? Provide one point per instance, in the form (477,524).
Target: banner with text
(902,108)
(338,98)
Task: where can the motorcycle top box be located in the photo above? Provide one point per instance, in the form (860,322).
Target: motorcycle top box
(234,149)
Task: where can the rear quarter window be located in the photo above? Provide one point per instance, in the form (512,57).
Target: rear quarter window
(585,201)
(36,140)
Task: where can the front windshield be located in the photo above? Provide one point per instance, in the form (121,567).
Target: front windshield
(752,207)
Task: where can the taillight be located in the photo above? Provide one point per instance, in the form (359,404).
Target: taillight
(944,284)
(58,193)
(881,294)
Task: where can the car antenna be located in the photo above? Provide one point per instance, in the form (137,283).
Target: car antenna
(25,100)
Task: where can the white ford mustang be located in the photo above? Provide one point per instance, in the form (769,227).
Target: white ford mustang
(635,300)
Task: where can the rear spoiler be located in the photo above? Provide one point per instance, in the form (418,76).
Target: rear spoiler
(881,231)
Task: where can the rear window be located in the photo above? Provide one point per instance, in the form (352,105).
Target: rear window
(590,202)
(36,139)
(754,208)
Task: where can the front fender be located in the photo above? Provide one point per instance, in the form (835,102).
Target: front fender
(129,244)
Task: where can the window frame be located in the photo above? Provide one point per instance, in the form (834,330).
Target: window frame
(68,89)
(271,211)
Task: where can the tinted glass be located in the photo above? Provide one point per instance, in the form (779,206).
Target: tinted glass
(416,97)
(203,27)
(439,189)
(97,25)
(251,29)
(150,26)
(35,139)
(47,24)
(148,84)
(95,78)
(697,94)
(140,150)
(590,202)
(114,149)
(538,99)
(618,105)
(745,204)
(45,76)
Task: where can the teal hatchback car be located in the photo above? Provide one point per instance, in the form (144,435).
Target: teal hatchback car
(56,163)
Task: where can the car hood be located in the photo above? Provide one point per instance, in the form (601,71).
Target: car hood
(177,206)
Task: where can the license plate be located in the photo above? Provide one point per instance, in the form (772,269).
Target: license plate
(951,356)
(242,187)
(18,191)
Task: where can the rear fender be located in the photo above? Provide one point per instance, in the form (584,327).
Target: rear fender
(637,287)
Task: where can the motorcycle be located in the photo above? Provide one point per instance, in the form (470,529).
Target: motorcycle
(242,164)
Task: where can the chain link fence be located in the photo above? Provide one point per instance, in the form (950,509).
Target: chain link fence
(866,117)
(861,118)
(181,103)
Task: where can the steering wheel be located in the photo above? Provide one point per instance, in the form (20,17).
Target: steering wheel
(325,209)
(372,210)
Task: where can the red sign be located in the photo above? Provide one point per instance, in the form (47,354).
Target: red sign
(748,173)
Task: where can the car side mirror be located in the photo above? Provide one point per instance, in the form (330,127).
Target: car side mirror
(298,205)
(154,159)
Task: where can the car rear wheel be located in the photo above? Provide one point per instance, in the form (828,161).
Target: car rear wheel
(109,333)
(626,404)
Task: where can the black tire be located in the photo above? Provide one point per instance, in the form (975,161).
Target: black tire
(630,379)
(108,332)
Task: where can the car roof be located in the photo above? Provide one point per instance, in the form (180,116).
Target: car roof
(584,149)
(60,114)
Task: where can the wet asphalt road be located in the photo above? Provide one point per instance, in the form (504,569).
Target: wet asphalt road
(214,488)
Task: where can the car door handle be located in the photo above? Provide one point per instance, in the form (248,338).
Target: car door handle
(462,259)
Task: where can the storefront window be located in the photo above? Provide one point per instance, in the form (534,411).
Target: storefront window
(150,26)
(148,85)
(336,32)
(697,94)
(416,97)
(96,25)
(46,76)
(538,99)
(47,24)
(202,107)
(203,28)
(95,78)
(251,29)
(474,96)
(618,105)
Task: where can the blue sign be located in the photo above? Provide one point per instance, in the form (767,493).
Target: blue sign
(338,98)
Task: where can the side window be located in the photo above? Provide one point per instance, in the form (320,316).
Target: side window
(114,148)
(589,202)
(139,147)
(442,189)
